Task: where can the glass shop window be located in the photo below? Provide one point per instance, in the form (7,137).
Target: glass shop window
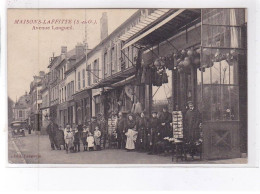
(97,105)
(222,48)
(162,95)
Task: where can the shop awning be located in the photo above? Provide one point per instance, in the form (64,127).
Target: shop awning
(82,94)
(107,82)
(164,27)
(143,23)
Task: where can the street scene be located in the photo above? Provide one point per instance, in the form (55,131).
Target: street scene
(127,86)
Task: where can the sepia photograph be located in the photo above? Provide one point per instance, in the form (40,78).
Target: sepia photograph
(150,86)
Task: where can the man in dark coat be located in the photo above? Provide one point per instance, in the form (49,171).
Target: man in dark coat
(154,133)
(52,128)
(165,123)
(142,128)
(59,137)
(121,130)
(103,129)
(192,125)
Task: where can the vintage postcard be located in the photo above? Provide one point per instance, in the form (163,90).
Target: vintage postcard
(127,86)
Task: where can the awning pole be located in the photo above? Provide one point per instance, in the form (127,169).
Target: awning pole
(171,44)
(127,58)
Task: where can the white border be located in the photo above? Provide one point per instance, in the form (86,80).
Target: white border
(142,178)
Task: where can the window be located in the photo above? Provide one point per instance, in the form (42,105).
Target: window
(65,93)
(105,65)
(89,75)
(96,71)
(222,53)
(62,99)
(68,91)
(20,113)
(113,60)
(78,80)
(72,87)
(83,78)
(60,96)
(130,55)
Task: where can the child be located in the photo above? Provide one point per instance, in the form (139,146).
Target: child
(69,138)
(84,137)
(97,135)
(90,141)
(76,141)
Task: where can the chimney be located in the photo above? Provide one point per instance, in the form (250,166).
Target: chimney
(41,73)
(103,26)
(63,52)
(80,48)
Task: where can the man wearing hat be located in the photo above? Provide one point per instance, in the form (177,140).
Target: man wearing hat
(165,122)
(121,130)
(52,128)
(154,133)
(192,124)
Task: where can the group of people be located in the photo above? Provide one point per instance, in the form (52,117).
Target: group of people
(133,132)
(71,138)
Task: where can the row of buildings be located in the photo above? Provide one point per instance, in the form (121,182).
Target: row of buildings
(123,70)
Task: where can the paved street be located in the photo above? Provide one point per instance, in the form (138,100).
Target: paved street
(36,150)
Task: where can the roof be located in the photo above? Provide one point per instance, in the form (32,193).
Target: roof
(119,28)
(170,24)
(53,61)
(76,64)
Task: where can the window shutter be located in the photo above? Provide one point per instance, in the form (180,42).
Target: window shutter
(98,74)
(118,55)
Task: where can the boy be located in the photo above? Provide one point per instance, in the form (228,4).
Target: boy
(76,141)
(84,137)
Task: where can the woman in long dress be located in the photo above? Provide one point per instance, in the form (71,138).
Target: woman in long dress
(131,134)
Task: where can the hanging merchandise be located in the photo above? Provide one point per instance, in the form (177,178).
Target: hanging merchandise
(157,63)
(157,79)
(138,81)
(177,119)
(164,77)
(144,76)
(138,108)
(129,91)
(133,108)
(169,62)
(185,59)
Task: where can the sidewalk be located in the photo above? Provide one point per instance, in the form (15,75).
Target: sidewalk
(36,150)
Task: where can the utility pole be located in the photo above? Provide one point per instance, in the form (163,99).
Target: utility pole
(86,39)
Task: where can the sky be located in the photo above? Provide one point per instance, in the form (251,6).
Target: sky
(29,50)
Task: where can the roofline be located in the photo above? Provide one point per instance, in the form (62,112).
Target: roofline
(54,60)
(83,59)
(116,30)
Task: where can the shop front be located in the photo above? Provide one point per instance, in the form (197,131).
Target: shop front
(118,93)
(83,106)
(199,56)
(63,114)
